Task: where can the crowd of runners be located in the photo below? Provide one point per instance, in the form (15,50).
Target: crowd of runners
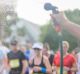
(37,58)
(19,57)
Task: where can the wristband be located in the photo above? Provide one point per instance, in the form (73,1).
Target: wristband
(43,69)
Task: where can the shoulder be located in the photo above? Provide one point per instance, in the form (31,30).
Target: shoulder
(20,52)
(72,57)
(31,61)
(10,52)
(45,58)
(57,55)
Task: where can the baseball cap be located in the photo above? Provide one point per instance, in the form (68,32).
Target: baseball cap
(37,45)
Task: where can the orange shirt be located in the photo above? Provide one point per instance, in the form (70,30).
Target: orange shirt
(68,61)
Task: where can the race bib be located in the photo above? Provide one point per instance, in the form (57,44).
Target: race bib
(58,71)
(14,63)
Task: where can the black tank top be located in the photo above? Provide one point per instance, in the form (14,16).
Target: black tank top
(40,65)
(51,59)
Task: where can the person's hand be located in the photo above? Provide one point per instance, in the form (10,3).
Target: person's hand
(22,73)
(60,17)
(54,68)
(36,69)
(30,71)
(66,68)
(60,14)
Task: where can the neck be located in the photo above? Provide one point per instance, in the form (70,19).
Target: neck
(39,55)
(15,50)
(65,53)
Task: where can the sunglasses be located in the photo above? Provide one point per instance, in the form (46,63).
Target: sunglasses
(37,49)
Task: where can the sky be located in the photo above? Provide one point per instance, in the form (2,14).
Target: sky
(33,10)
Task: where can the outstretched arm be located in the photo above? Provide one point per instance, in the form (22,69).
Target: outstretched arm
(73,28)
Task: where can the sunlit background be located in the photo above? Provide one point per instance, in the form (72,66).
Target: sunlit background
(28,20)
(33,10)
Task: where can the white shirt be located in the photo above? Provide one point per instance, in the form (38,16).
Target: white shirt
(78,63)
(4,50)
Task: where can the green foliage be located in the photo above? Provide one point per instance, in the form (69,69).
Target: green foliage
(8,31)
(52,38)
(8,25)
(72,40)
(73,16)
(49,35)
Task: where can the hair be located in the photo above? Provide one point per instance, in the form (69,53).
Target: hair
(46,46)
(66,42)
(77,49)
(14,41)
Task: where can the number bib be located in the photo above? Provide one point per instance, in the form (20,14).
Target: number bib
(14,63)
(58,71)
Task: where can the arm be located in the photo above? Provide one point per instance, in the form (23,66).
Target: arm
(2,67)
(25,65)
(54,68)
(47,64)
(47,68)
(30,69)
(73,28)
(74,68)
(6,62)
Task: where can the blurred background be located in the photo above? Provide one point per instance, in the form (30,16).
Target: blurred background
(27,20)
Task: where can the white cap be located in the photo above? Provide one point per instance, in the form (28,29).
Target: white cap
(37,45)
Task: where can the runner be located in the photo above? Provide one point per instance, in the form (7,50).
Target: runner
(16,60)
(22,46)
(39,64)
(1,62)
(78,59)
(3,53)
(48,52)
(4,49)
(69,61)
(29,51)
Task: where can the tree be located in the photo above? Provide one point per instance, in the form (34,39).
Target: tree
(8,31)
(73,16)
(49,35)
(12,20)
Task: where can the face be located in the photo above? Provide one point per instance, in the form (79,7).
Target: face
(37,51)
(74,52)
(29,45)
(22,48)
(46,48)
(45,52)
(14,47)
(65,48)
